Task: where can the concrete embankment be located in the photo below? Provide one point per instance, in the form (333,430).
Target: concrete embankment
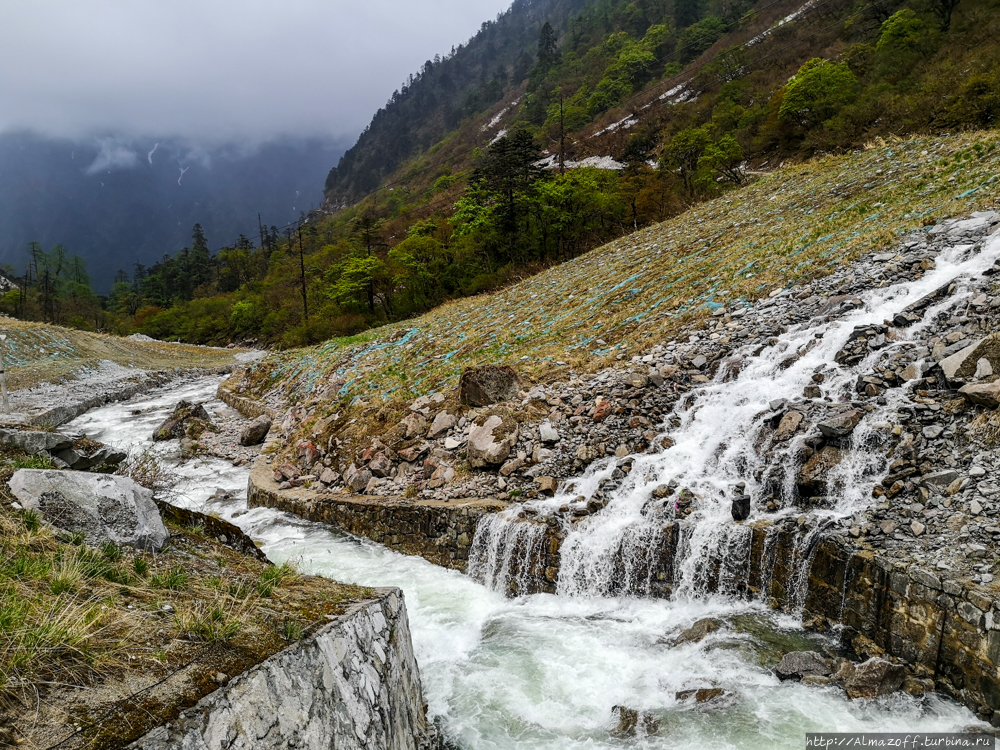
(353,684)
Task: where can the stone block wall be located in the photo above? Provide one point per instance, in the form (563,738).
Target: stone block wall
(353,686)
(441,532)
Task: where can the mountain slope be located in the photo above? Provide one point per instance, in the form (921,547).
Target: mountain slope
(117,202)
(621,299)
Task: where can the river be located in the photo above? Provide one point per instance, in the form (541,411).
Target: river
(544,672)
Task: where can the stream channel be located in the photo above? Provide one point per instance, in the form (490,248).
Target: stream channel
(543,671)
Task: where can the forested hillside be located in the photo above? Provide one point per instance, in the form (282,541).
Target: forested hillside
(565,124)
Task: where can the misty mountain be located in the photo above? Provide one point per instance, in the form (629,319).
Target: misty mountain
(117,201)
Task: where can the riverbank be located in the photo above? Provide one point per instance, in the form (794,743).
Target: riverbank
(127,641)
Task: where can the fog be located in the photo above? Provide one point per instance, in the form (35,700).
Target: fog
(207,70)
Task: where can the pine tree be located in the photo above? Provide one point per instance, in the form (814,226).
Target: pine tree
(686,13)
(548,49)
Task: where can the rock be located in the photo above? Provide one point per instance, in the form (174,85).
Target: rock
(789,426)
(547,485)
(961,362)
(629,723)
(917,687)
(286,471)
(698,631)
(485,449)
(701,695)
(741,508)
(103,508)
(982,394)
(840,425)
(35,442)
(887,527)
(910,372)
(798,664)
(548,433)
(917,528)
(816,680)
(415,425)
(602,410)
(184,416)
(813,477)
(939,480)
(699,362)
(255,432)
(358,481)
(482,386)
(412,453)
(637,380)
(510,467)
(329,476)
(441,424)
(873,678)
(103,456)
(933,431)
(307,452)
(424,403)
(983,369)
(380,466)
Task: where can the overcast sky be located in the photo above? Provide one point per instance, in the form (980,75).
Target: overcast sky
(214,69)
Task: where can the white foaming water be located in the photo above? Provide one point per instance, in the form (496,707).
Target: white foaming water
(543,672)
(720,426)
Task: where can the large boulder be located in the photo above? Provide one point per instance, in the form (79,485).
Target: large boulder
(255,432)
(873,678)
(799,664)
(840,425)
(103,508)
(982,394)
(187,419)
(813,478)
(490,384)
(487,446)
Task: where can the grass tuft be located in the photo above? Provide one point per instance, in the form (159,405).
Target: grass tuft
(173,580)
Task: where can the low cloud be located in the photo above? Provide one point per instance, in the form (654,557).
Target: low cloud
(214,69)
(113,155)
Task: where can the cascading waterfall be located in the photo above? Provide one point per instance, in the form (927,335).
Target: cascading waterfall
(505,551)
(802,557)
(719,442)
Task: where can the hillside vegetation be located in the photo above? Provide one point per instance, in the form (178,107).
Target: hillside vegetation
(563,125)
(620,300)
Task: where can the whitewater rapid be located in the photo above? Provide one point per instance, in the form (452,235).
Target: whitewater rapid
(543,672)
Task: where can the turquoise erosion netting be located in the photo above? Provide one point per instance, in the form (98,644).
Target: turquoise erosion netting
(790,226)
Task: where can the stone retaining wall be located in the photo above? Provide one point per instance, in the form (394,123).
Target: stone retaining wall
(248,407)
(441,532)
(353,686)
(946,631)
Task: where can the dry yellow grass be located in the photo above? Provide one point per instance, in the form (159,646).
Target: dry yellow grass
(37,352)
